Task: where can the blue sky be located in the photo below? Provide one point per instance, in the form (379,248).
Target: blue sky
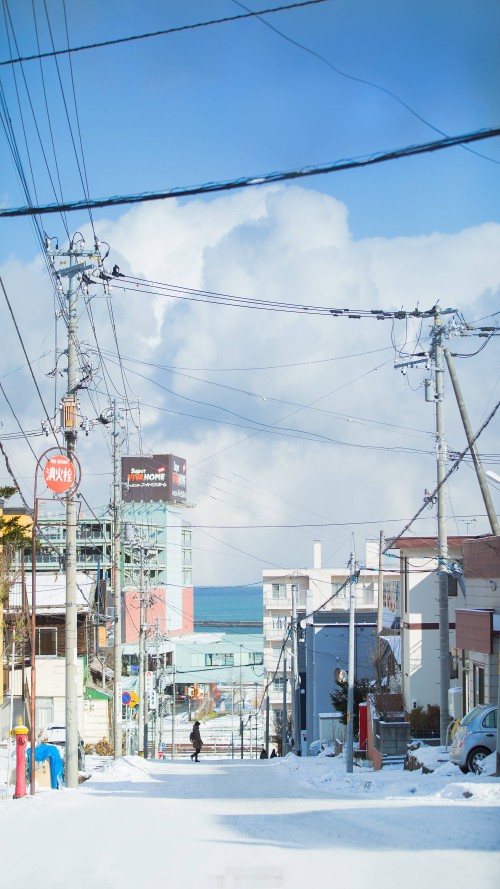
(236,100)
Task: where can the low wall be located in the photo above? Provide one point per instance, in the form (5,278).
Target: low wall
(386,739)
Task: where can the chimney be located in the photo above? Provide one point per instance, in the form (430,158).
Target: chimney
(317,554)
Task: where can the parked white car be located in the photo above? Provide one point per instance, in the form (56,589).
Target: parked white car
(56,734)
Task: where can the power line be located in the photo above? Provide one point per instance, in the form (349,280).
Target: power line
(27,359)
(264,179)
(163,33)
(356,79)
(390,543)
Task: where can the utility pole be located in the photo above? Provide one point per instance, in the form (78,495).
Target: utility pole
(444,625)
(380,605)
(157,689)
(232,717)
(351,667)
(294,671)
(241,707)
(173,708)
(69,411)
(256,720)
(142,670)
(117,599)
(267,724)
(69,423)
(284,746)
(483,484)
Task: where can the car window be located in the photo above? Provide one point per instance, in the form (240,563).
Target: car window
(490,720)
(471,715)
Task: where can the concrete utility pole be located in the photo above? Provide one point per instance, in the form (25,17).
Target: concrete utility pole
(481,477)
(267,724)
(69,422)
(157,688)
(351,667)
(173,708)
(294,671)
(142,668)
(117,599)
(284,745)
(71,767)
(380,605)
(443,573)
(241,707)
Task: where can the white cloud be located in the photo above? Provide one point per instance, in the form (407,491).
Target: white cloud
(292,245)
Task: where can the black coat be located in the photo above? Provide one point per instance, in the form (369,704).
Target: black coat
(197,742)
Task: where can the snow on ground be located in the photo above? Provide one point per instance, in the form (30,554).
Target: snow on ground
(220,824)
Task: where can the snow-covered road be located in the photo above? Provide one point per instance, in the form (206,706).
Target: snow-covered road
(223,824)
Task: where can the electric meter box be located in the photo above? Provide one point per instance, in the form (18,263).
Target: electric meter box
(455,707)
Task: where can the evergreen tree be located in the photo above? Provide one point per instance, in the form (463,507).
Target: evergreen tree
(362,688)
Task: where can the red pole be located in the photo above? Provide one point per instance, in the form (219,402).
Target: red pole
(21,733)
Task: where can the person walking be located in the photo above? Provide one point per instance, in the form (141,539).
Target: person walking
(263,753)
(196,741)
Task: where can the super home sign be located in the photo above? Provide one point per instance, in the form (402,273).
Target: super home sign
(157,478)
(59,474)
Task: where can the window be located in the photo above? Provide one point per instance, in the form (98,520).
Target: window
(46,642)
(254,657)
(279,622)
(187,576)
(278,683)
(279,590)
(339,590)
(219,660)
(44,711)
(454,655)
(478,685)
(490,720)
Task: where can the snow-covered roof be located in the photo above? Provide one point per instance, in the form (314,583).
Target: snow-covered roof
(51,592)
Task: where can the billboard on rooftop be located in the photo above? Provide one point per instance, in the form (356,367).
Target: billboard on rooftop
(161,477)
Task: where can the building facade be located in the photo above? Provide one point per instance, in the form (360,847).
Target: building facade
(420,641)
(478,624)
(309,592)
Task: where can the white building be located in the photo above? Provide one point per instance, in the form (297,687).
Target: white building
(420,645)
(314,589)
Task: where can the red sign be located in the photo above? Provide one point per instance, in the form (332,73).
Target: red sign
(59,474)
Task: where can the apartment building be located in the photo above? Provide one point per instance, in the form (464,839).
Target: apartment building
(420,623)
(313,590)
(166,569)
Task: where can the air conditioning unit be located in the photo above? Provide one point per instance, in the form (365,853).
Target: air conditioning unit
(455,706)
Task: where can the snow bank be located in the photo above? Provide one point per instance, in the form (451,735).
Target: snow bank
(445,782)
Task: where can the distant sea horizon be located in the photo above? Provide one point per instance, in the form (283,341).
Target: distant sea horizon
(228,603)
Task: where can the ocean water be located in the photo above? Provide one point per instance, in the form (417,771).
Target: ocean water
(228,603)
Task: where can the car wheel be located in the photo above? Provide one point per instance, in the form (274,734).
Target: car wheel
(476,757)
(463,769)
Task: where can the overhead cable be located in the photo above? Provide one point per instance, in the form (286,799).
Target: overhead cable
(162,33)
(264,179)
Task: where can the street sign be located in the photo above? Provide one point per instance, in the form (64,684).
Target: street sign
(126,697)
(149,680)
(134,699)
(59,474)
(152,700)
